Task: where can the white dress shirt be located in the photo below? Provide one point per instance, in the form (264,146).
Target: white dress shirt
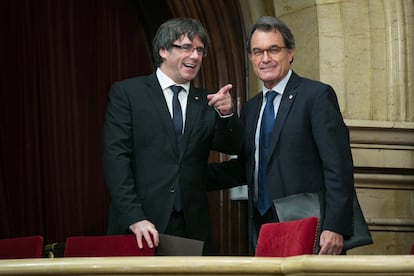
(166,83)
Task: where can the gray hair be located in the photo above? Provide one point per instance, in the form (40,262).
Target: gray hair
(174,29)
(270,23)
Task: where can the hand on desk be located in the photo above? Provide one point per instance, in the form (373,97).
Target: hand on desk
(331,243)
(145,229)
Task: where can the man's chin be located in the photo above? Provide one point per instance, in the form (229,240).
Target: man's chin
(190,76)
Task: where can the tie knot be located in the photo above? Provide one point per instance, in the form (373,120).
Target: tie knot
(270,95)
(176,88)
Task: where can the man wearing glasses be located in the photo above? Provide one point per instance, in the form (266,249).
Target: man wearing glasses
(158,132)
(295,140)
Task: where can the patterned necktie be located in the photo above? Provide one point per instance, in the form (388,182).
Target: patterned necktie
(178,123)
(177,112)
(268,118)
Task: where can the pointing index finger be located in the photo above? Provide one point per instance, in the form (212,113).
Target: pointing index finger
(225,89)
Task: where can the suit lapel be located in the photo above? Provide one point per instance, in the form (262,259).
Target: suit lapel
(195,102)
(288,98)
(252,120)
(154,92)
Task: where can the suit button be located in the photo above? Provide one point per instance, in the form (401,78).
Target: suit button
(172,189)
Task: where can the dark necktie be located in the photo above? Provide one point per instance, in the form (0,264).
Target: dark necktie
(268,118)
(177,112)
(178,123)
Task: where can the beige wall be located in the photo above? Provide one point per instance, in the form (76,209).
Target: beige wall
(365,50)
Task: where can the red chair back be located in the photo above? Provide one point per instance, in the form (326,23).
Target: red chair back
(105,246)
(290,238)
(21,247)
(412,250)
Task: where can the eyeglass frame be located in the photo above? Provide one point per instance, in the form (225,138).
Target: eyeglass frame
(188,48)
(272,51)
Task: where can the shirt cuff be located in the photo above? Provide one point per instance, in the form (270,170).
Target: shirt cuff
(224,116)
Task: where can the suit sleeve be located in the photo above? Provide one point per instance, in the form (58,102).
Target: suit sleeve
(228,135)
(228,174)
(117,158)
(225,175)
(332,139)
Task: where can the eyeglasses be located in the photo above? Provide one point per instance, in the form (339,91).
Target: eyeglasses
(272,51)
(189,49)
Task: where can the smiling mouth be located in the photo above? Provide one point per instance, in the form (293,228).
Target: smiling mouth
(190,65)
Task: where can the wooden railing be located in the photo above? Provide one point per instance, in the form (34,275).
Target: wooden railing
(301,265)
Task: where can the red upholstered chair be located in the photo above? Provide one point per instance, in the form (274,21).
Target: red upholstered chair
(290,238)
(21,247)
(105,246)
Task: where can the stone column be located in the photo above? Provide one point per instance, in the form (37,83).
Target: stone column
(363,48)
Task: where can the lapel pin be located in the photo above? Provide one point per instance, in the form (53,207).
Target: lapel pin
(196,98)
(290,96)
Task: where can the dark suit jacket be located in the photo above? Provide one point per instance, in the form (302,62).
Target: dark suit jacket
(143,162)
(310,150)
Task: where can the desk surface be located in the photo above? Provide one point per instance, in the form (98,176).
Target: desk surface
(220,265)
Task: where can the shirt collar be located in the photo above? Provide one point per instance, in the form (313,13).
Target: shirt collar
(166,81)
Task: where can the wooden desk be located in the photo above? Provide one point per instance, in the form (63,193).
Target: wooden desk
(301,265)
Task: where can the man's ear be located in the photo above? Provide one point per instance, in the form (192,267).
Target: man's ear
(291,54)
(163,53)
